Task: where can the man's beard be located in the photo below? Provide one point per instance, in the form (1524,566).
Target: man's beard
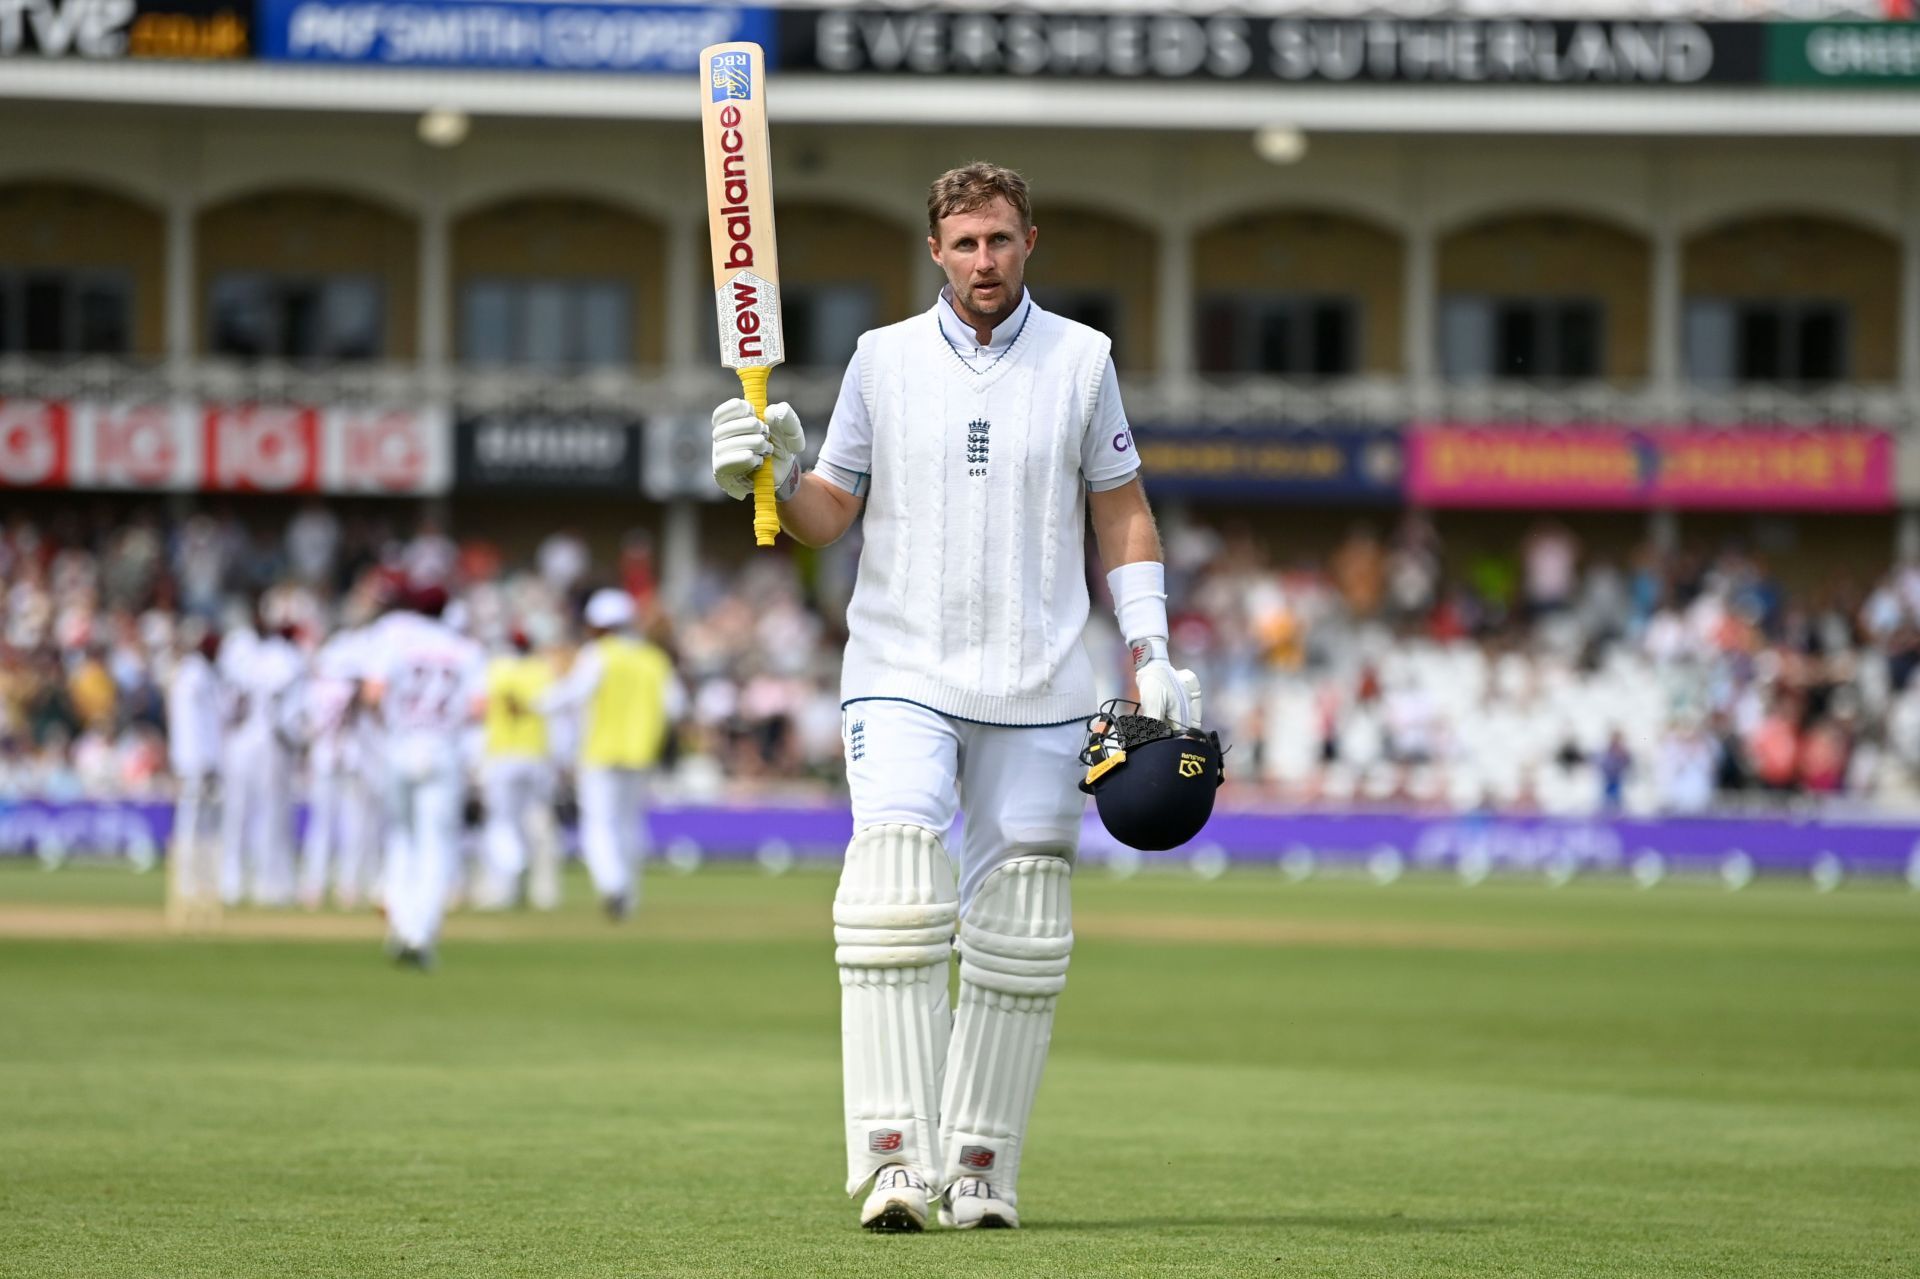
(1009,297)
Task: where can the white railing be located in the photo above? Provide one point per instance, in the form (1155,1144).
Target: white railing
(1174,402)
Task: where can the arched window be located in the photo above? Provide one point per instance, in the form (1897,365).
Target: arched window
(1102,271)
(307,275)
(80,272)
(1300,295)
(1543,297)
(842,272)
(558,282)
(1793,300)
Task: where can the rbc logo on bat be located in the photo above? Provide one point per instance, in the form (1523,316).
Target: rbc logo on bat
(732,75)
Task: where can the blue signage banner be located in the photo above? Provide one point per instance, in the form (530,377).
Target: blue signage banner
(1735,848)
(515,34)
(1357,464)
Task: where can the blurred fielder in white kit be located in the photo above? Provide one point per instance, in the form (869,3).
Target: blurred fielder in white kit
(340,826)
(517,780)
(979,435)
(621,687)
(428,683)
(261,672)
(194,731)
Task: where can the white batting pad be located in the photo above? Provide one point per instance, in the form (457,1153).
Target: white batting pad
(893,920)
(1014,946)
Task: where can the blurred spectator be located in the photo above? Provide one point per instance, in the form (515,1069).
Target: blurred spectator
(313,544)
(1774,747)
(1823,758)
(636,569)
(1360,571)
(1615,765)
(430,557)
(1687,764)
(564,561)
(1552,558)
(1413,567)
(91,691)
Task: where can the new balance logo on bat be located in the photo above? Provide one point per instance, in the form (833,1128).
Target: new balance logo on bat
(746,320)
(749,320)
(734,188)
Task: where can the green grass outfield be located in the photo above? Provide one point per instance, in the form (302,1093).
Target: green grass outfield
(1250,1078)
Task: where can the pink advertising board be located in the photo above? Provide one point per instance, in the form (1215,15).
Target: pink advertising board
(1748,468)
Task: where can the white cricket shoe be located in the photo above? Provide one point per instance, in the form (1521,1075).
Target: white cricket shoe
(970,1202)
(898,1204)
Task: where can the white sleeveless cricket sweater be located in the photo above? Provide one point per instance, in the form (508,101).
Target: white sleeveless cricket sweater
(971,597)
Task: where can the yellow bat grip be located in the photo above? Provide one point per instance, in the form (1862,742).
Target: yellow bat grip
(766,519)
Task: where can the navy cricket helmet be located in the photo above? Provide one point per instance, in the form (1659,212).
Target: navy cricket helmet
(1152,781)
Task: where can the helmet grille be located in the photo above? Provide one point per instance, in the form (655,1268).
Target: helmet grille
(1137,730)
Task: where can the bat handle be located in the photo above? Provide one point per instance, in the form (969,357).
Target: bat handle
(766,519)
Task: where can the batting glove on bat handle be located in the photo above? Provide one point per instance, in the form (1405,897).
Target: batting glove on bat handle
(742,440)
(1165,692)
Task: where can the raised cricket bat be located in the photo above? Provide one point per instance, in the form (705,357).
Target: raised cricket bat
(746,270)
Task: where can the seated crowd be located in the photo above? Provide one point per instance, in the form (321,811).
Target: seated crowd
(1538,679)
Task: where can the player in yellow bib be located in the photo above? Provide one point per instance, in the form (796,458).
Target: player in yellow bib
(620,686)
(517,779)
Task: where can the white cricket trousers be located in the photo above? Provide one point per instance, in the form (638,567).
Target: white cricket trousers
(194,853)
(1018,786)
(520,837)
(613,831)
(517,791)
(423,838)
(341,826)
(256,823)
(962,1088)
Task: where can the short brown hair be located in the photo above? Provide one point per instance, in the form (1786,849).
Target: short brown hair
(974,186)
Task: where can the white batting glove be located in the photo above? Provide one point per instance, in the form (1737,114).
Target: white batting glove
(741,440)
(1165,693)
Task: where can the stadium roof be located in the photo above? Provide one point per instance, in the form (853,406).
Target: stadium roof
(938,100)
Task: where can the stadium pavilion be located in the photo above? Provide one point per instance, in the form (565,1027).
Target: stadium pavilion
(475,237)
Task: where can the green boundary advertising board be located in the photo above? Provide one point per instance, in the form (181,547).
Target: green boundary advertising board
(1844,53)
